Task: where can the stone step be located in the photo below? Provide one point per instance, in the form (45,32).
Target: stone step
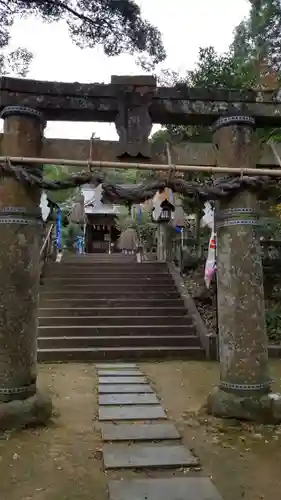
(96,321)
(49,301)
(109,278)
(60,342)
(116,366)
(110,294)
(170,488)
(112,288)
(124,261)
(139,456)
(121,380)
(128,399)
(137,432)
(103,280)
(131,412)
(106,274)
(124,388)
(119,372)
(120,353)
(100,257)
(95,312)
(107,269)
(110,331)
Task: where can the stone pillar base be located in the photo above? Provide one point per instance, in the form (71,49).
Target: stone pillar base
(263,408)
(33,411)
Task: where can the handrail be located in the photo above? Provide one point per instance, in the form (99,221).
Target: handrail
(46,252)
(47,238)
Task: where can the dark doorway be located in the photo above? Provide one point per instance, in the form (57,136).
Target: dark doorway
(101,235)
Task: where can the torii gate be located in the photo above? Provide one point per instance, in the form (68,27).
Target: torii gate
(134,104)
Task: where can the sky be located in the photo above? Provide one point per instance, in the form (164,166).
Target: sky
(186,26)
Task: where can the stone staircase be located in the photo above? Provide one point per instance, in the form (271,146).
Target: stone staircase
(108,307)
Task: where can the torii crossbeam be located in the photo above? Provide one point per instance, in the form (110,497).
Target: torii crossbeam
(99,102)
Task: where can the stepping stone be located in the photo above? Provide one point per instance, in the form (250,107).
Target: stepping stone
(122,380)
(119,456)
(128,399)
(124,388)
(139,432)
(178,488)
(134,412)
(120,373)
(113,366)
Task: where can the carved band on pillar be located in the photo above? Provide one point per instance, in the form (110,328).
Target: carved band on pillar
(19,258)
(19,215)
(237,217)
(241,316)
(226,121)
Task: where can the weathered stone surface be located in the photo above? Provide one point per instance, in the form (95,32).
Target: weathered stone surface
(124,388)
(119,456)
(260,408)
(133,121)
(134,80)
(191,488)
(98,102)
(115,366)
(134,412)
(119,373)
(122,380)
(186,153)
(19,263)
(128,399)
(241,315)
(139,432)
(36,410)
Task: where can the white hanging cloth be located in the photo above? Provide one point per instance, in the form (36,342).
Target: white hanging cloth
(211,265)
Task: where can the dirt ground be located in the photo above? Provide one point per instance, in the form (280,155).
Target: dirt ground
(243,460)
(64,461)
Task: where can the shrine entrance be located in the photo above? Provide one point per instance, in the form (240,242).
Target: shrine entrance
(100,229)
(134,104)
(101,234)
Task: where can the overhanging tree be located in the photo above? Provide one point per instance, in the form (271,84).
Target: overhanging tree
(259,36)
(15,62)
(115,24)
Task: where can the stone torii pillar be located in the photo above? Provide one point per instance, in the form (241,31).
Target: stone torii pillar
(245,386)
(20,229)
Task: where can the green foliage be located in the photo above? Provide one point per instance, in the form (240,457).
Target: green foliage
(273,323)
(259,36)
(213,71)
(146,229)
(128,176)
(161,137)
(221,70)
(58,173)
(69,235)
(117,25)
(271,228)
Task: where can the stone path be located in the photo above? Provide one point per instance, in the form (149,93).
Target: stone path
(137,436)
